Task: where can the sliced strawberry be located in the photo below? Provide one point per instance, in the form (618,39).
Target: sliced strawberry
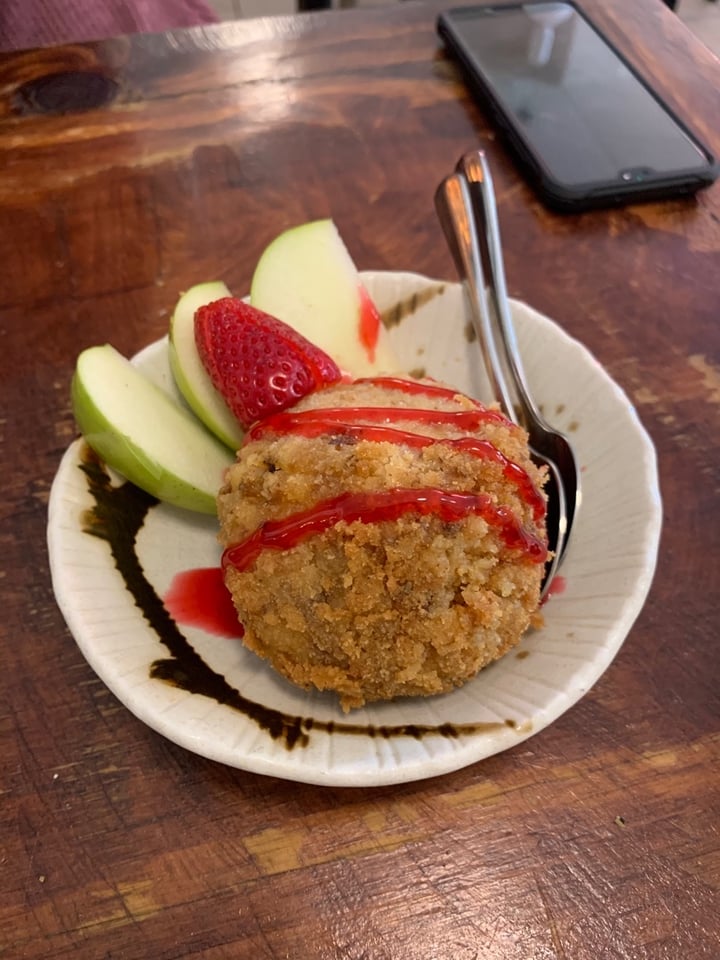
(259,364)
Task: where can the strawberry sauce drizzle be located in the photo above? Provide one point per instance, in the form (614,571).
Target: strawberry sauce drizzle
(332,416)
(374,424)
(474,446)
(369,327)
(381,506)
(422,388)
(199,598)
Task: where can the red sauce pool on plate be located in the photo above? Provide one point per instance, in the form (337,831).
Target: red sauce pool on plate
(199,598)
(369,329)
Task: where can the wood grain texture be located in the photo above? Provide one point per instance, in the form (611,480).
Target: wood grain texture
(598,838)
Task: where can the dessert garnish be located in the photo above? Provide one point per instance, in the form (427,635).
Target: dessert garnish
(259,364)
(307,278)
(143,434)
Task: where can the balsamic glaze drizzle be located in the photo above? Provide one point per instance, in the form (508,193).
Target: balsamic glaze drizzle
(393,316)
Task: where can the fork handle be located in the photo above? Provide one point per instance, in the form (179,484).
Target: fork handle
(475,169)
(454,208)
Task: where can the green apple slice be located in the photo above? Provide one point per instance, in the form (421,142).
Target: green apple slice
(142,433)
(307,278)
(190,375)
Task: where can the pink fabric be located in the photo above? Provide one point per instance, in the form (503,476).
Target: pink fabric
(36,23)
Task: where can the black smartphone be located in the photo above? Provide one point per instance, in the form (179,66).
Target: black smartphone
(587,129)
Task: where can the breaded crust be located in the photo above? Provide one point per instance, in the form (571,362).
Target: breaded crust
(407,607)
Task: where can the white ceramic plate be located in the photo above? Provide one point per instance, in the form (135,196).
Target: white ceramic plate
(251,718)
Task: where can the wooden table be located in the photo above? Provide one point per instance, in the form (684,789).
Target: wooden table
(157,162)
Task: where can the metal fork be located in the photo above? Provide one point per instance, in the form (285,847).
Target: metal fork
(465,203)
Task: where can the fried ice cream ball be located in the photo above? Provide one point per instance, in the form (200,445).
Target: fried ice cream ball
(383,539)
